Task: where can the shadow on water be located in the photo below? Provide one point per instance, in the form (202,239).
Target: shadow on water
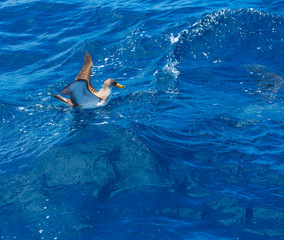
(269,84)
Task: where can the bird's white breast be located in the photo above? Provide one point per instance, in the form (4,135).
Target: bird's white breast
(81,96)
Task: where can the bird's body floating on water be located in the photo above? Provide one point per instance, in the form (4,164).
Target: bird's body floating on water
(82,93)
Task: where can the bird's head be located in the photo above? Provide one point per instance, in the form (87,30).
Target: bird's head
(112,83)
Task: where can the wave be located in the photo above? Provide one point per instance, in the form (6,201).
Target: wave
(225,34)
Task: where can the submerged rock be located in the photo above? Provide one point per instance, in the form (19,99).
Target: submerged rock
(107,157)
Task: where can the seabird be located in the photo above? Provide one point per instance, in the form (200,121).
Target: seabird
(82,93)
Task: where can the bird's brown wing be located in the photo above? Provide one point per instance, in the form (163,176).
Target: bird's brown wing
(85,73)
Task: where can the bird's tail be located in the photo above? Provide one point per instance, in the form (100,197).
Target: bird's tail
(64,100)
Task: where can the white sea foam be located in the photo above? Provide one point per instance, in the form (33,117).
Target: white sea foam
(174,39)
(170,67)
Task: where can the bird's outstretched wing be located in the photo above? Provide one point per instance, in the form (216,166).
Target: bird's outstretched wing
(85,73)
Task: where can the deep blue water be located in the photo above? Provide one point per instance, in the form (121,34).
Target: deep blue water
(193,148)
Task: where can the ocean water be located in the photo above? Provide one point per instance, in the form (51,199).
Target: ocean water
(192,149)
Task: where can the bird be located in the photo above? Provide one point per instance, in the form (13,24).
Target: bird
(81,91)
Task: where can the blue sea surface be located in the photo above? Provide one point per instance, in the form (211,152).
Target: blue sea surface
(192,149)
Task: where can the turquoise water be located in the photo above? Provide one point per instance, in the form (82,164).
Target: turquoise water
(191,149)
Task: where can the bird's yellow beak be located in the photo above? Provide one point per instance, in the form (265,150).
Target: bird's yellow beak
(120,86)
